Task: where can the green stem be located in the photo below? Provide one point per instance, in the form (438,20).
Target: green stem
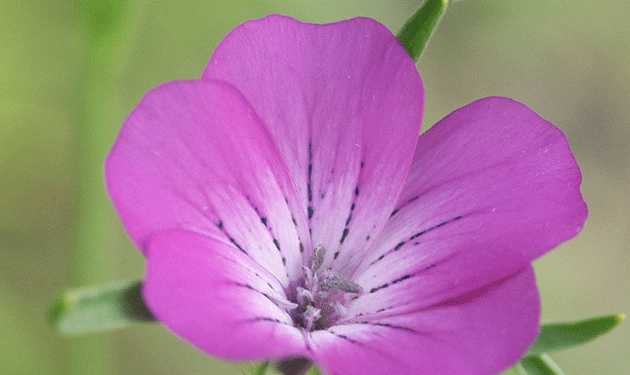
(419,28)
(262,369)
(108,30)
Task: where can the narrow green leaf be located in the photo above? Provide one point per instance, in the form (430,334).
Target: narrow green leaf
(563,335)
(99,308)
(262,369)
(538,365)
(417,31)
(314,371)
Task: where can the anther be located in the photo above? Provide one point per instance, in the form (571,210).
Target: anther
(319,253)
(333,280)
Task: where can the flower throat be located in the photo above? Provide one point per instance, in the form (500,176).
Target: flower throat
(321,295)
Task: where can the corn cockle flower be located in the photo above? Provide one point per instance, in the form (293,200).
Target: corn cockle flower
(288,209)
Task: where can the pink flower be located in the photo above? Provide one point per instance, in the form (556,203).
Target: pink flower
(287,208)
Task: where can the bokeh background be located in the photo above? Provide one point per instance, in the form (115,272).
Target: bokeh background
(70,72)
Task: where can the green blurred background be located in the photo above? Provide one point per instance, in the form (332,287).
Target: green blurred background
(70,72)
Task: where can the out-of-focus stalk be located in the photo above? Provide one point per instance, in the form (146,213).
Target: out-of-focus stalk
(109,30)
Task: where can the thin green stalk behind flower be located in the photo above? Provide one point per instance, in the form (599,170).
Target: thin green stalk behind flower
(108,29)
(418,29)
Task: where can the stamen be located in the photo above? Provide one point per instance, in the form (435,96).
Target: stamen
(319,253)
(281,301)
(304,296)
(321,297)
(337,281)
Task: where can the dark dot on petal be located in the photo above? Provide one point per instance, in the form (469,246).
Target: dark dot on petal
(356,191)
(394,212)
(346,338)
(379,288)
(418,235)
(349,219)
(220,225)
(362,165)
(344,235)
(233,241)
(428,268)
(275,242)
(263,220)
(294,221)
(310,212)
(401,279)
(265,319)
(336,255)
(301,247)
(394,326)
(310,170)
(399,245)
(284,261)
(310,191)
(434,227)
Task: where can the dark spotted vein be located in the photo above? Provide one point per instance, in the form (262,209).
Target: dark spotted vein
(413,237)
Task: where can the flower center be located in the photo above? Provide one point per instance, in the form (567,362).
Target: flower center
(322,295)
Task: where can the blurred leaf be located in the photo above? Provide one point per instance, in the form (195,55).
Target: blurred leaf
(417,31)
(538,365)
(314,371)
(99,308)
(555,336)
(262,369)
(101,15)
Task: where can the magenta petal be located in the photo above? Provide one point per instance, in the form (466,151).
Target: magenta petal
(193,155)
(493,186)
(482,332)
(218,298)
(344,103)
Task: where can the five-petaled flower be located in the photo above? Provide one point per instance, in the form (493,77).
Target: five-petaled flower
(288,209)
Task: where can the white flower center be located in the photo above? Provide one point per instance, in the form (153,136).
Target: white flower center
(323,294)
